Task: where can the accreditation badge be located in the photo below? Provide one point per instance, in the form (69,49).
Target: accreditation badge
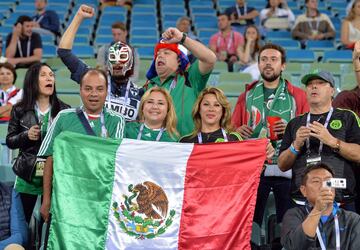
(39,167)
(313,160)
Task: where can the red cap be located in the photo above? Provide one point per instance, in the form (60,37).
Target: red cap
(170,46)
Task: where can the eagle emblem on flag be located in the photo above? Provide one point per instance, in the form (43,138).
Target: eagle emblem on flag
(144,213)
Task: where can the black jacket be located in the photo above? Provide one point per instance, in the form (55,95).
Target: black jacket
(20,123)
(294,238)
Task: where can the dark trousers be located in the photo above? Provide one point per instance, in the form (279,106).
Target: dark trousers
(28,201)
(281,189)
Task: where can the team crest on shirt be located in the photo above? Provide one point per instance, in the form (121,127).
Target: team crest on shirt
(335,124)
(143,213)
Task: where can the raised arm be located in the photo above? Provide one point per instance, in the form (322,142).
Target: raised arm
(206,57)
(68,37)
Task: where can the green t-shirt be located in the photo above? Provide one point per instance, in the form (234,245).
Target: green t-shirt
(68,120)
(184,96)
(133,128)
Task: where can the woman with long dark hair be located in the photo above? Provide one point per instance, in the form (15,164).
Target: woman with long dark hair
(30,119)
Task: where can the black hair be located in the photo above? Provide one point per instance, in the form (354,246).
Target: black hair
(314,167)
(31,90)
(268,5)
(22,19)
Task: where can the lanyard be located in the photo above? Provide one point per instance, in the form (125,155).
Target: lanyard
(157,137)
(325,125)
(200,141)
(229,43)
(27,48)
(126,97)
(238,10)
(40,18)
(336,225)
(317,23)
(337,234)
(104,133)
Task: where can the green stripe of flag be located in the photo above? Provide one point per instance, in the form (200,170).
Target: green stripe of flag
(86,212)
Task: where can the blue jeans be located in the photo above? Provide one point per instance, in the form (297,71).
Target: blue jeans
(281,189)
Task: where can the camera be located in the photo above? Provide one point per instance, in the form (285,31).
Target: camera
(335,183)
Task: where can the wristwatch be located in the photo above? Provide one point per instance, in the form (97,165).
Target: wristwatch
(183,38)
(337,146)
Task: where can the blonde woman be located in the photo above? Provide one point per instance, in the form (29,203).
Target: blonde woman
(212,119)
(157,118)
(350,29)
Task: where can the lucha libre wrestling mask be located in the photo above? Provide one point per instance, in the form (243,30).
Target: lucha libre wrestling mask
(120,58)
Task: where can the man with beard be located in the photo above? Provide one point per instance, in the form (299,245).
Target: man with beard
(270,98)
(123,95)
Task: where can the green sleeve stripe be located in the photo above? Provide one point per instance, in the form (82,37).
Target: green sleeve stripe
(237,135)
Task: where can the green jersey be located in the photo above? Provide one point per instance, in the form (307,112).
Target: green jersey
(183,96)
(133,130)
(68,120)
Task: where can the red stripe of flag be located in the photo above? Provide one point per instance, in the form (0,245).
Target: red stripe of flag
(220,193)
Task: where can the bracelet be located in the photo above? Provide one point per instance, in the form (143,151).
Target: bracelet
(293,150)
(184,36)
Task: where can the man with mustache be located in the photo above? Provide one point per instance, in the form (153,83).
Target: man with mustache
(272,97)
(325,134)
(123,95)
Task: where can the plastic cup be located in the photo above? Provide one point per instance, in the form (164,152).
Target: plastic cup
(271,120)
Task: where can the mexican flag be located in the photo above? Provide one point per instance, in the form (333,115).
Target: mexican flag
(132,194)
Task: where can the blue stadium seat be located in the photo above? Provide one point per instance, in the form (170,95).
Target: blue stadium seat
(278,35)
(300,56)
(83,51)
(146,52)
(100,40)
(321,45)
(49,50)
(147,20)
(26,7)
(205,21)
(47,39)
(166,17)
(146,9)
(173,9)
(143,42)
(287,44)
(337,56)
(144,32)
(114,10)
(202,11)
(108,19)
